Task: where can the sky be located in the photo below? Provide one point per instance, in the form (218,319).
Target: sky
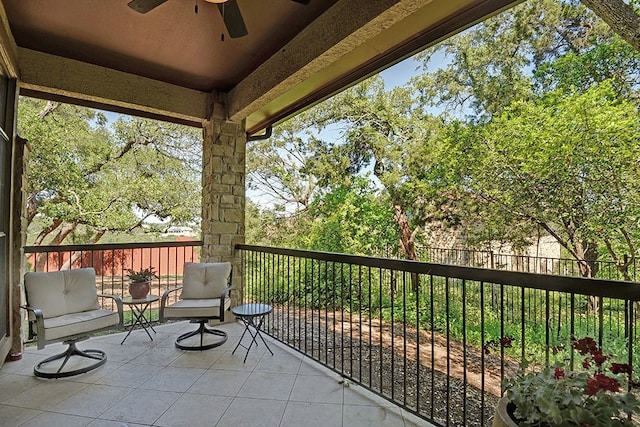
(399,74)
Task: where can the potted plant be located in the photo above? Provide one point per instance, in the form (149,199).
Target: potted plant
(595,395)
(140,282)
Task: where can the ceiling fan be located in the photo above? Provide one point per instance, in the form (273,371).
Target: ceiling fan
(228,9)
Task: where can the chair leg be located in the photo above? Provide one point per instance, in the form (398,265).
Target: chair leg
(202,330)
(72,350)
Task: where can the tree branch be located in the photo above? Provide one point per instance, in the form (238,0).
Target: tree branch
(620,17)
(48,109)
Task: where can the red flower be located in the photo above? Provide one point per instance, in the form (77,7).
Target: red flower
(592,387)
(601,382)
(621,368)
(585,345)
(598,357)
(558,373)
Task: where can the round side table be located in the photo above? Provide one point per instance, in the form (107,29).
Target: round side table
(252,315)
(138,307)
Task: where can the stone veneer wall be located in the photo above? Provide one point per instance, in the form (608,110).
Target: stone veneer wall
(223,195)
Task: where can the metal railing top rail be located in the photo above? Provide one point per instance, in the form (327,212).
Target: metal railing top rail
(602,267)
(569,284)
(497,253)
(110,246)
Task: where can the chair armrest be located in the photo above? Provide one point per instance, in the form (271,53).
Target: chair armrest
(39,322)
(225,292)
(163,302)
(118,302)
(223,295)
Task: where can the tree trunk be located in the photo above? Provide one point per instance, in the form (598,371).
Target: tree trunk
(589,268)
(48,109)
(41,259)
(587,258)
(76,254)
(407,245)
(63,232)
(407,242)
(620,17)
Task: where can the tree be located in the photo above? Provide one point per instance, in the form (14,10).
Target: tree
(489,66)
(344,215)
(84,181)
(520,94)
(267,227)
(566,163)
(540,50)
(613,60)
(353,219)
(378,130)
(278,167)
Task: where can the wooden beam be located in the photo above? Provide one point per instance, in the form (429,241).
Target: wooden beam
(8,47)
(337,32)
(57,78)
(341,48)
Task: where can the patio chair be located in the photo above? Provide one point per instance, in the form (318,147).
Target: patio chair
(63,307)
(206,295)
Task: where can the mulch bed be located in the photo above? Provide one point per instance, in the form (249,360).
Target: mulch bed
(451,390)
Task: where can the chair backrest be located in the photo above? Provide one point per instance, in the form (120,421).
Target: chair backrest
(62,292)
(205,280)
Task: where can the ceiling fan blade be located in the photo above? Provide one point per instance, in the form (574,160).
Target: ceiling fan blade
(144,6)
(233,19)
(302,1)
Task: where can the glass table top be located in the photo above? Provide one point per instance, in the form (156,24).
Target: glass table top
(253,309)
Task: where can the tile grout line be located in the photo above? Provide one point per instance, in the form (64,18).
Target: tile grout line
(290,392)
(235,396)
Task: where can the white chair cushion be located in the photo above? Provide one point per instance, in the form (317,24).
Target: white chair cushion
(62,292)
(194,308)
(79,323)
(205,280)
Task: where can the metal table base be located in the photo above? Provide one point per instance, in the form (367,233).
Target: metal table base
(138,307)
(249,314)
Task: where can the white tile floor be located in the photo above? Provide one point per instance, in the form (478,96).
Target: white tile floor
(151,383)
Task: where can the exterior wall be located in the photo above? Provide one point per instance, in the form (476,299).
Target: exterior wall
(544,247)
(223,195)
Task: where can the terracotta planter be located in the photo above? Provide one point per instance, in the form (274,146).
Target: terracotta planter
(139,290)
(502,417)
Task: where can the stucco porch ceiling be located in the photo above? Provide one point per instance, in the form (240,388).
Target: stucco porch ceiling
(171,62)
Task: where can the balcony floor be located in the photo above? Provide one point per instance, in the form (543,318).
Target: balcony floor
(151,383)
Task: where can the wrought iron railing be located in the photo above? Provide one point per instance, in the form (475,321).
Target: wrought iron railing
(112,261)
(426,336)
(604,269)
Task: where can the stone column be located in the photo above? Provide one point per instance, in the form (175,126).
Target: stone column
(223,193)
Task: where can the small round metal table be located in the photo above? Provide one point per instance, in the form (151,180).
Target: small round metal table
(138,307)
(252,315)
